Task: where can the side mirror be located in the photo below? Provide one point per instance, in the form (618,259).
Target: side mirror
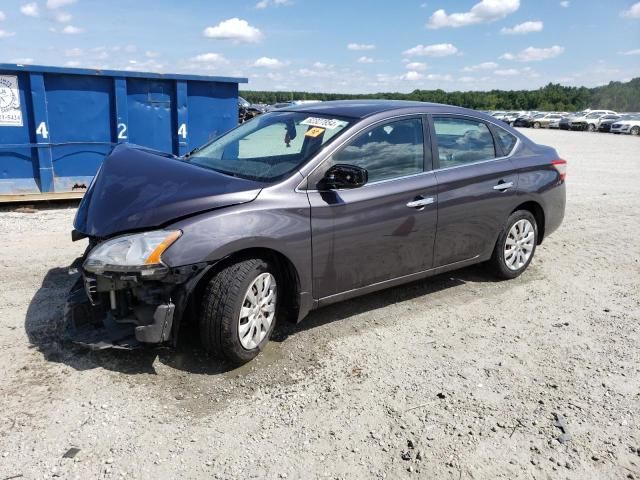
(344,176)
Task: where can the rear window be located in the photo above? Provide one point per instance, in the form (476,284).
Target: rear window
(462,141)
(506,140)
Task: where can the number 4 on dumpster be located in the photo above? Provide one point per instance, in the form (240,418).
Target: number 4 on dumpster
(42,130)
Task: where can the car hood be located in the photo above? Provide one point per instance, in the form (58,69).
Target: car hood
(136,188)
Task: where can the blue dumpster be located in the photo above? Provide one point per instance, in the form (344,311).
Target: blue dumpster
(57,124)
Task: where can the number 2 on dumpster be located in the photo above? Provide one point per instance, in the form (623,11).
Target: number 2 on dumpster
(122,131)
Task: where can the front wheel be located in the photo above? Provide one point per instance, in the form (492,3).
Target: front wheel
(239,310)
(536,125)
(591,127)
(515,246)
(635,131)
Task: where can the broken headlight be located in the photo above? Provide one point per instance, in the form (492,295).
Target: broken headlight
(139,252)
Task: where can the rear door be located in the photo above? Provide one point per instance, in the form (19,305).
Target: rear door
(384,229)
(477,186)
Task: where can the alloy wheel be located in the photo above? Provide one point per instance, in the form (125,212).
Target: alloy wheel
(257,311)
(519,244)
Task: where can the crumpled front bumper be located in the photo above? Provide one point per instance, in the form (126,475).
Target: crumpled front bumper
(126,311)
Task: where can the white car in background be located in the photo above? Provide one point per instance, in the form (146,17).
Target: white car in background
(589,121)
(629,126)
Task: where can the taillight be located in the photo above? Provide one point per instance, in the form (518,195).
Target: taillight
(561,166)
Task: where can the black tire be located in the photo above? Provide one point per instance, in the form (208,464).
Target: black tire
(497,263)
(635,131)
(536,125)
(220,310)
(591,127)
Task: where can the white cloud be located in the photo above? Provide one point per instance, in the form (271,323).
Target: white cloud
(481,66)
(508,72)
(437,50)
(5,34)
(360,46)
(523,28)
(30,9)
(319,65)
(151,54)
(564,4)
(482,12)
(72,63)
(417,66)
(202,58)
(533,54)
(53,4)
(3,17)
(71,30)
(631,52)
(439,77)
(63,17)
(633,11)
(272,3)
(267,62)
(513,72)
(412,76)
(73,52)
(466,79)
(234,29)
(365,59)
(22,61)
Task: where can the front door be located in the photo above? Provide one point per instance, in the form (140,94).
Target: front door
(384,229)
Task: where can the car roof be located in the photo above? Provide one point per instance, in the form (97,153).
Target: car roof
(365,108)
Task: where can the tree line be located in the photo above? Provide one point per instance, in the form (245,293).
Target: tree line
(618,96)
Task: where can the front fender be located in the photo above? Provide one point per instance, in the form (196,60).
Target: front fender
(263,223)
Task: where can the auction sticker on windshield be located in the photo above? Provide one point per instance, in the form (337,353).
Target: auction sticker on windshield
(328,123)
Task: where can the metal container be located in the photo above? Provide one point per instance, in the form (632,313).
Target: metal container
(57,124)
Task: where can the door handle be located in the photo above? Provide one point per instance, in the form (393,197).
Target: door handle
(420,202)
(502,186)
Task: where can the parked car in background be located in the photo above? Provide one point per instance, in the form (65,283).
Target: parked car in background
(524,120)
(629,125)
(498,115)
(590,121)
(564,121)
(546,120)
(607,121)
(247,110)
(300,208)
(278,105)
(510,117)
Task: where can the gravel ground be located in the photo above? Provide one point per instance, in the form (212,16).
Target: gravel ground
(455,377)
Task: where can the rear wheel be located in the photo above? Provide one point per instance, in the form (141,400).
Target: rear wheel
(515,246)
(635,131)
(536,125)
(239,310)
(591,127)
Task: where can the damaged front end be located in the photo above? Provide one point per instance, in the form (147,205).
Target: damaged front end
(115,305)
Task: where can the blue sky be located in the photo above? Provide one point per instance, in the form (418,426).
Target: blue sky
(336,46)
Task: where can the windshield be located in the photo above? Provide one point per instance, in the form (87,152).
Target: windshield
(270,146)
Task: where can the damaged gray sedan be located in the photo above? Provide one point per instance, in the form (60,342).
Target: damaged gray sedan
(297,209)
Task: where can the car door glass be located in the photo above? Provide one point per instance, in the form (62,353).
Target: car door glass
(462,141)
(388,151)
(507,140)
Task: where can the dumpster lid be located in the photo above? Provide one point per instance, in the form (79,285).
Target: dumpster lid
(117,73)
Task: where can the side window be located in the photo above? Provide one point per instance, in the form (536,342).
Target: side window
(506,140)
(392,150)
(462,141)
